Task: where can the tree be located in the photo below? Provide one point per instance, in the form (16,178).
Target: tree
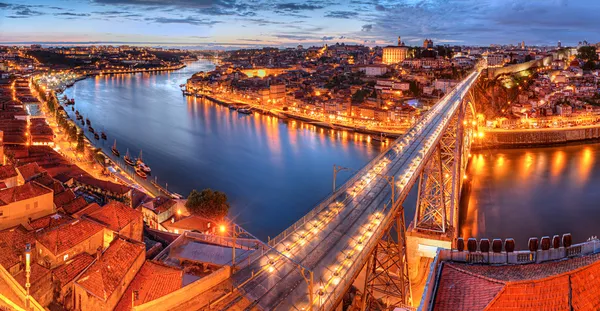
(587,53)
(208,203)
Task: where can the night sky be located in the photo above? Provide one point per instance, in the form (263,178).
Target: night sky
(238,23)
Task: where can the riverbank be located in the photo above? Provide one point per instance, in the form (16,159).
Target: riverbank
(536,137)
(314,121)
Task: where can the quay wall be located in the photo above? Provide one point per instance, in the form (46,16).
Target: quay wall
(542,137)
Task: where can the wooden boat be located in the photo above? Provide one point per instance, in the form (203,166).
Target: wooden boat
(114,149)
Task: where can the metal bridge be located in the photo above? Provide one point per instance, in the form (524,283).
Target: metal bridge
(361,227)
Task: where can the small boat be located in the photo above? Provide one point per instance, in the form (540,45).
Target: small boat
(245,110)
(141,165)
(379,138)
(96,136)
(186,93)
(103,135)
(232,107)
(140,173)
(91,129)
(77,112)
(82,122)
(128,159)
(198,95)
(87,121)
(72,108)
(114,149)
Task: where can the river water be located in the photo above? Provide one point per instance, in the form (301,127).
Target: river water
(275,171)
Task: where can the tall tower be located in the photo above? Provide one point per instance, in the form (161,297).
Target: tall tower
(400,41)
(559,44)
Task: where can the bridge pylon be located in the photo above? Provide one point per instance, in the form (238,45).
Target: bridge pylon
(386,273)
(440,183)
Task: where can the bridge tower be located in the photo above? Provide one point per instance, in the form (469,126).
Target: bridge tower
(439,187)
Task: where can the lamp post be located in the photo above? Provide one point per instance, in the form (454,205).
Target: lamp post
(336,170)
(27,272)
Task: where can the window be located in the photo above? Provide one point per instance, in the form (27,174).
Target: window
(176,231)
(65,257)
(1,213)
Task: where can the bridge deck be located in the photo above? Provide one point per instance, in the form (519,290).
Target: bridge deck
(336,241)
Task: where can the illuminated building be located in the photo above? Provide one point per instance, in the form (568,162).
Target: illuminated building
(394,54)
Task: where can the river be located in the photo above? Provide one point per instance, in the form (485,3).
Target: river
(523,193)
(273,171)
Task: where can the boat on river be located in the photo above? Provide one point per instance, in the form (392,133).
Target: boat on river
(96,136)
(127,159)
(140,173)
(141,165)
(114,149)
(245,110)
(103,135)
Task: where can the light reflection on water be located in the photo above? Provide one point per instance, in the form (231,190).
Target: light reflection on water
(521,193)
(273,171)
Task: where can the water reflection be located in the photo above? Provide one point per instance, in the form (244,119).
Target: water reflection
(522,193)
(273,170)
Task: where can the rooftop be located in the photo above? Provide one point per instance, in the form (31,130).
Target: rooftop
(160,204)
(7,171)
(564,284)
(72,268)
(62,238)
(12,245)
(24,192)
(50,221)
(106,274)
(153,281)
(115,215)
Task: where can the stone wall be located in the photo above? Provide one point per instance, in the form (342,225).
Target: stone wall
(520,138)
(494,72)
(177,299)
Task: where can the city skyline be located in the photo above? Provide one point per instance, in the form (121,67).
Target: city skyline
(232,24)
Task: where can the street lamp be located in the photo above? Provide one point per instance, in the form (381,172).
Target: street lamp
(27,272)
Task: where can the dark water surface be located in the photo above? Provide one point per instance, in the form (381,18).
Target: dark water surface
(273,171)
(521,193)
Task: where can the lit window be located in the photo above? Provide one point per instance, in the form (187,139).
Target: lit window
(65,257)
(176,231)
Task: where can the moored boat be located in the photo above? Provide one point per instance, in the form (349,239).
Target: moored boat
(91,129)
(114,149)
(128,159)
(103,135)
(141,165)
(140,173)
(96,136)
(245,110)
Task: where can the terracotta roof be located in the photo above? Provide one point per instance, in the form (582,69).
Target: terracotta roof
(72,268)
(19,193)
(12,245)
(102,184)
(64,237)
(160,204)
(75,205)
(153,281)
(7,171)
(46,180)
(90,208)
(64,198)
(570,284)
(115,215)
(50,221)
(192,222)
(38,273)
(30,170)
(106,274)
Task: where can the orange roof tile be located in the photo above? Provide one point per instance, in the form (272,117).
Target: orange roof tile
(90,208)
(160,204)
(115,215)
(50,221)
(38,273)
(192,222)
(12,245)
(107,273)
(64,198)
(75,205)
(72,268)
(7,171)
(30,170)
(570,284)
(50,182)
(153,281)
(19,193)
(64,237)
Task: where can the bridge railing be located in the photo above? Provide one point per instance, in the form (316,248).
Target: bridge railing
(330,198)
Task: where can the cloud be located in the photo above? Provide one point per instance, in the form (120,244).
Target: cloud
(188,20)
(295,7)
(71,14)
(327,38)
(341,14)
(367,27)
